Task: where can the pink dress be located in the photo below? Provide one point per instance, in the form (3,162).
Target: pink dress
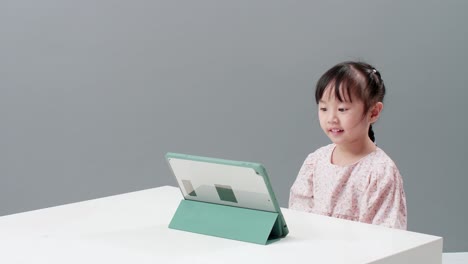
(369,191)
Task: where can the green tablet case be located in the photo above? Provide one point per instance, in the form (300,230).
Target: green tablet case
(244,224)
(224,221)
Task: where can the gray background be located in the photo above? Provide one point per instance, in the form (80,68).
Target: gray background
(94,93)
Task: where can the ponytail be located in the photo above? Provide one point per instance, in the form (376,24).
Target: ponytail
(371,133)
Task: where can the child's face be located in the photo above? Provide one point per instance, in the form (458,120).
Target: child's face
(343,122)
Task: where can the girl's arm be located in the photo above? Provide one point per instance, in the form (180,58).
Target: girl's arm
(301,193)
(384,201)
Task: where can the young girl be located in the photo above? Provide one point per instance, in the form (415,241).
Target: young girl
(351,178)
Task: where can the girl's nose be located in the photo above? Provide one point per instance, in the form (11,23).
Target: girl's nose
(332,119)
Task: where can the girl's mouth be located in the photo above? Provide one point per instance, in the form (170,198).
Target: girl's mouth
(335,132)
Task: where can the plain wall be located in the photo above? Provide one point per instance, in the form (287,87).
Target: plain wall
(94,93)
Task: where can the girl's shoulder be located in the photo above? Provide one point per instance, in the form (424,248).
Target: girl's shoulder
(381,164)
(320,153)
(380,157)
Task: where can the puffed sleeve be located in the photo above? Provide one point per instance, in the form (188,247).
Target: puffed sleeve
(384,201)
(301,193)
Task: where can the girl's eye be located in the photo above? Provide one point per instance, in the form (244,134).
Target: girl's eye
(323,109)
(342,109)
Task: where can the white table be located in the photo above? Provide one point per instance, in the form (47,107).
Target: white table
(455,258)
(132,228)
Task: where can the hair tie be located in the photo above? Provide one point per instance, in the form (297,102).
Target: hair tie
(376,72)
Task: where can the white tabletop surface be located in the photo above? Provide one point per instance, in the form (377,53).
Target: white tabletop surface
(132,228)
(455,258)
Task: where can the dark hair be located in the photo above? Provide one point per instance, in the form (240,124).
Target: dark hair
(353,80)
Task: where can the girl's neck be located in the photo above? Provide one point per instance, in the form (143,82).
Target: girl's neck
(351,153)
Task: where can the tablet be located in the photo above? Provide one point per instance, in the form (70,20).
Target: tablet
(226,182)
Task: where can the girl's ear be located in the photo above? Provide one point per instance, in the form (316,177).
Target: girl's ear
(375,112)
